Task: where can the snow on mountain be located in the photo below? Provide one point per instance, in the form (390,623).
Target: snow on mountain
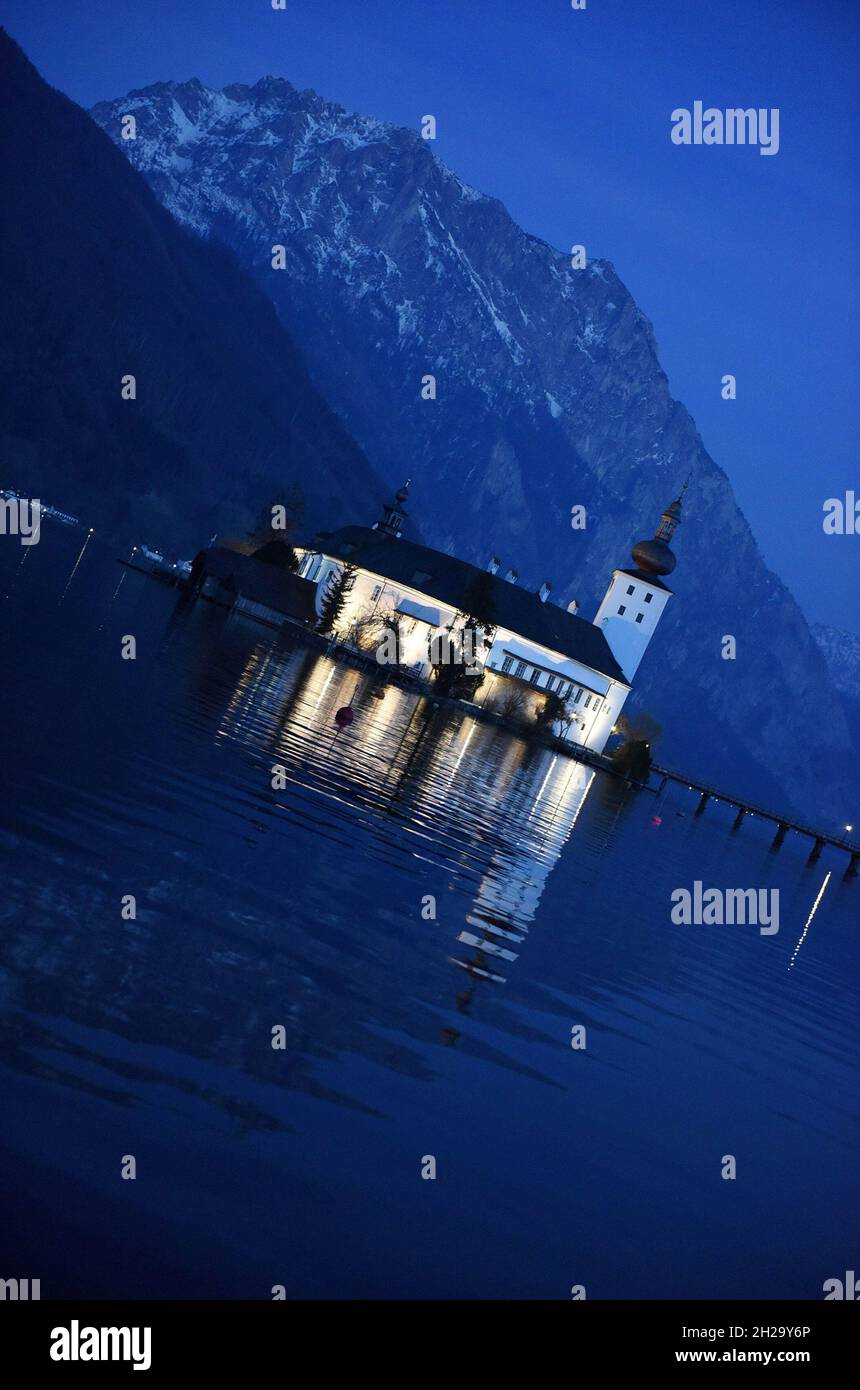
(548,393)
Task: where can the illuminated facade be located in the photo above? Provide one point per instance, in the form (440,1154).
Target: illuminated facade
(532,645)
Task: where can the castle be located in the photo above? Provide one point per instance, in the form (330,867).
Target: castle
(529,643)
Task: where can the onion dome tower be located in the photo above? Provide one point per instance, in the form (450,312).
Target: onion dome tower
(394,513)
(655,556)
(634,602)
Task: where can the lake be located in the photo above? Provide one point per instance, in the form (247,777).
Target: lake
(427,911)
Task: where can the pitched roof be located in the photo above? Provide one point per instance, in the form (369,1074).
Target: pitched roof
(446,579)
(263,583)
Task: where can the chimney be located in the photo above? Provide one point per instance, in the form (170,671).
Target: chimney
(493,565)
(573,606)
(512,576)
(544,590)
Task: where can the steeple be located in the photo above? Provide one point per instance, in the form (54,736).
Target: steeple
(394,513)
(655,556)
(634,602)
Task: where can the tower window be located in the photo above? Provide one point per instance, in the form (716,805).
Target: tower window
(639,617)
(535,676)
(521,669)
(377,590)
(648,598)
(578,696)
(623,608)
(507,664)
(630,589)
(551,682)
(587,702)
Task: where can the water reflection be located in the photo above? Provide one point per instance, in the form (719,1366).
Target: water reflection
(252,899)
(409,762)
(299,906)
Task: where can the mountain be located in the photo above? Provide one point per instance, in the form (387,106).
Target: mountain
(98,281)
(549,393)
(841,652)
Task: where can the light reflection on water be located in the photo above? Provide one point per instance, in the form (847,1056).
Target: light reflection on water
(407,1031)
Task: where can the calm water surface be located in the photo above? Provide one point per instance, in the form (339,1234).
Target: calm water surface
(406,1036)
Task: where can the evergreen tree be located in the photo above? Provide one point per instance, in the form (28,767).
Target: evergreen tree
(454,672)
(552,711)
(337,590)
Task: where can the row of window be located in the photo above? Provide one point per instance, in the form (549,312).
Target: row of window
(565,689)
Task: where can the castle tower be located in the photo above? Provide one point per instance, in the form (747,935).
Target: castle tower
(394,513)
(634,602)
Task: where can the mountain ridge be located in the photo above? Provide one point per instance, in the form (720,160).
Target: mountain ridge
(549,393)
(100,282)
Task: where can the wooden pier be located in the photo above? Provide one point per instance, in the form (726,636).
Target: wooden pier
(783,824)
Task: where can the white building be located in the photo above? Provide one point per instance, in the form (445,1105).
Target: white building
(532,644)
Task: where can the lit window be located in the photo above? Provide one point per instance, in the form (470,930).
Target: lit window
(630,588)
(648,598)
(623,608)
(639,617)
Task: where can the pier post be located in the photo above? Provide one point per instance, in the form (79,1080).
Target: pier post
(853,866)
(780,835)
(816,851)
(742,810)
(706,796)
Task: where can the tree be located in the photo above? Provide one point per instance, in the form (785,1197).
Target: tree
(337,590)
(639,725)
(553,711)
(477,610)
(633,758)
(455,670)
(511,705)
(369,630)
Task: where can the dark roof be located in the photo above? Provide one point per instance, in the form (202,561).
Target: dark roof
(647,578)
(262,583)
(446,579)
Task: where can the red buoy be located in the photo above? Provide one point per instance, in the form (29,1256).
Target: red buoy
(656,820)
(344,716)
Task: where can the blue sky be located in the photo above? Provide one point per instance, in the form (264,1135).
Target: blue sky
(744,263)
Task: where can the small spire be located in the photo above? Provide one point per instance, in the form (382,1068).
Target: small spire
(394,513)
(655,556)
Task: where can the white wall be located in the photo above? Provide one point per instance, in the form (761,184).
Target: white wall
(589,729)
(627,638)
